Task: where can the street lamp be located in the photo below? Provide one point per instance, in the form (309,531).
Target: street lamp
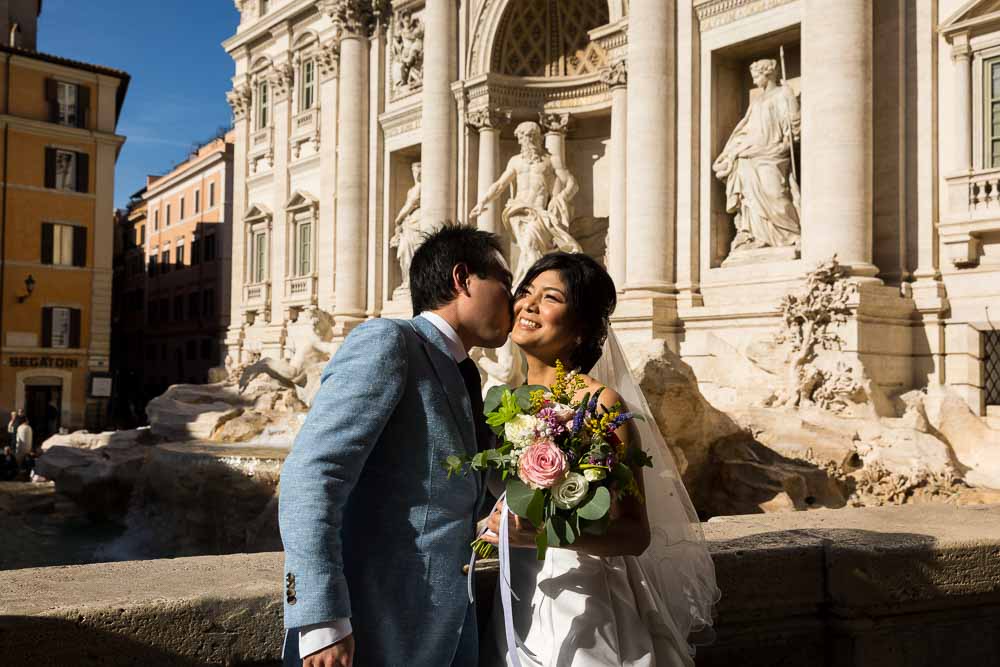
(29,286)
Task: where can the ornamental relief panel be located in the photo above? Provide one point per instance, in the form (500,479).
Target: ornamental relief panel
(550,38)
(716,13)
(406,53)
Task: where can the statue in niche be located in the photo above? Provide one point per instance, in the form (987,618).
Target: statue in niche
(540,210)
(408,235)
(407,51)
(761,188)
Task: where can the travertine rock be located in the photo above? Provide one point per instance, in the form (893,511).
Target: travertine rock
(192,412)
(975,445)
(99,479)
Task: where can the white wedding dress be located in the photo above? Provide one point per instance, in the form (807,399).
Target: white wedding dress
(577,610)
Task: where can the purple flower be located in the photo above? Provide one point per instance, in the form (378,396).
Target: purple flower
(619,421)
(550,418)
(578,420)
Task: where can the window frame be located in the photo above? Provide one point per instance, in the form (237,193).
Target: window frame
(262,115)
(307,87)
(75,104)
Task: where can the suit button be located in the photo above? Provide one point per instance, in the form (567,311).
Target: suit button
(292,599)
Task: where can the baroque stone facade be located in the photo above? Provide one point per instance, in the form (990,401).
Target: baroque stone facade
(860,130)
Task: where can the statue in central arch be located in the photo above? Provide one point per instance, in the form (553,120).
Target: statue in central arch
(756,165)
(540,210)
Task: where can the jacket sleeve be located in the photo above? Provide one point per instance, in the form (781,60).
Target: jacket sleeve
(360,389)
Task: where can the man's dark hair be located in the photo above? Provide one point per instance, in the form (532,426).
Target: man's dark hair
(437,256)
(591,298)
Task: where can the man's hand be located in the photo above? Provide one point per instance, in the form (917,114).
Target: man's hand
(340,654)
(520,532)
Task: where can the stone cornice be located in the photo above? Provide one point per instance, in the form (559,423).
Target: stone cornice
(715,13)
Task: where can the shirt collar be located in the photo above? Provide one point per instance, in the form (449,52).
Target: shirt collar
(455,346)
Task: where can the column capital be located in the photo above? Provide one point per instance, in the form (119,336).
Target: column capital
(960,47)
(615,75)
(356,18)
(488,118)
(281,76)
(556,123)
(239,100)
(328,59)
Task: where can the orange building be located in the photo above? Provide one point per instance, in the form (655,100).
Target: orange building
(187,219)
(58,149)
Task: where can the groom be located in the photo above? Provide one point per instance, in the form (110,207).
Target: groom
(375,534)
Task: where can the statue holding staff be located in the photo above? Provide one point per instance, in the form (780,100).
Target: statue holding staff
(756,164)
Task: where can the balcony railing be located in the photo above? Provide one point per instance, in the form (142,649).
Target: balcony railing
(257,295)
(301,289)
(973,210)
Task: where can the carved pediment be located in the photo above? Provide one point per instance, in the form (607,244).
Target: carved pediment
(300,199)
(257,213)
(973,14)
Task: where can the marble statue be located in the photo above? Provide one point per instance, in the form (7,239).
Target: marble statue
(408,235)
(507,370)
(756,165)
(539,211)
(407,51)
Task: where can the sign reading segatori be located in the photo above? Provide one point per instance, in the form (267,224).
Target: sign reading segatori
(43,362)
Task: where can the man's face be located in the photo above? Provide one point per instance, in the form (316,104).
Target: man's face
(486,310)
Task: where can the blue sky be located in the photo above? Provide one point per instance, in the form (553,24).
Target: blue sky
(180,73)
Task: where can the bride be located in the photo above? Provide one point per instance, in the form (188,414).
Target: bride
(631,597)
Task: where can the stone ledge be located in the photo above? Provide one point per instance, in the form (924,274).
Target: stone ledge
(913,586)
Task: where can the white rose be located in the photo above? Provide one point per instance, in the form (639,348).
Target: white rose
(568,493)
(595,474)
(520,430)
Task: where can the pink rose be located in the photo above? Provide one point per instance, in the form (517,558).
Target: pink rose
(542,465)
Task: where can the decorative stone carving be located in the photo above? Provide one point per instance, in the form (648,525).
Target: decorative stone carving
(328,59)
(539,212)
(407,49)
(282,77)
(615,75)
(717,13)
(810,319)
(554,122)
(408,236)
(756,164)
(489,118)
(356,18)
(239,99)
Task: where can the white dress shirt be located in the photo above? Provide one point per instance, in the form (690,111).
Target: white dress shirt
(313,638)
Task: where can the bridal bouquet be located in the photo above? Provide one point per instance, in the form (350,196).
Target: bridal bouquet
(561,460)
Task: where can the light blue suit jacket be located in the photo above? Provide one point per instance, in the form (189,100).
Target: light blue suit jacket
(372,527)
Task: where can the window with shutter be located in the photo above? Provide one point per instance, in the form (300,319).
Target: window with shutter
(211,195)
(74,328)
(83,106)
(79,246)
(82,172)
(67,103)
(52,97)
(47,242)
(61,331)
(50,167)
(66,170)
(47,327)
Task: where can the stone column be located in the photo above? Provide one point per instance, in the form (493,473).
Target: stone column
(437,117)
(328,62)
(837,133)
(239,100)
(651,147)
(282,79)
(961,56)
(354,21)
(488,122)
(616,77)
(555,126)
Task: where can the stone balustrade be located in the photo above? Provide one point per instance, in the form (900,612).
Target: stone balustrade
(973,210)
(911,586)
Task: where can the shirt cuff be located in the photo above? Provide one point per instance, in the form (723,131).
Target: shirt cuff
(317,637)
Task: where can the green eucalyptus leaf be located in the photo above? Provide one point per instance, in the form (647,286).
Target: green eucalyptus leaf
(523,395)
(598,528)
(598,505)
(519,497)
(563,530)
(551,534)
(536,509)
(494,397)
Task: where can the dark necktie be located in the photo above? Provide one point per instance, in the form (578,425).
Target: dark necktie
(470,373)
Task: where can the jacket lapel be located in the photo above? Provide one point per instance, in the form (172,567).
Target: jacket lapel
(450,378)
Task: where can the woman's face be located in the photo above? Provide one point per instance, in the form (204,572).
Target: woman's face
(543,323)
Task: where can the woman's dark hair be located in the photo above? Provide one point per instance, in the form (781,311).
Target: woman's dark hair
(437,256)
(590,295)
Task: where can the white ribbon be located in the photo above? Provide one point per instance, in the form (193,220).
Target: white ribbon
(513,641)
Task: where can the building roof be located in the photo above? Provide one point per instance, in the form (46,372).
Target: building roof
(77,64)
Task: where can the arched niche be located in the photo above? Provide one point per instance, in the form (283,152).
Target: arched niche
(553,33)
